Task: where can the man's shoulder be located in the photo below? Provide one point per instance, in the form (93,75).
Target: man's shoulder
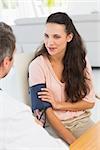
(10,106)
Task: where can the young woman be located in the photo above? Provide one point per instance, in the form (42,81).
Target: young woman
(61,63)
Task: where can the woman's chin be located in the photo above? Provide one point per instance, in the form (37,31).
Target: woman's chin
(52,53)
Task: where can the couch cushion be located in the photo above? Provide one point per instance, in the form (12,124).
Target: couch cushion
(21,63)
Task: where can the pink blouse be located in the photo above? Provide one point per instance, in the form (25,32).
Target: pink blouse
(41,71)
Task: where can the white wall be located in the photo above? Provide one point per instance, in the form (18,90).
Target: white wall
(38,9)
(83,6)
(29,34)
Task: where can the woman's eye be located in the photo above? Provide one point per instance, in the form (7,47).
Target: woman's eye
(46,36)
(56,36)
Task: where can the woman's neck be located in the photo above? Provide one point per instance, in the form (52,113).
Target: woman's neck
(58,58)
(55,59)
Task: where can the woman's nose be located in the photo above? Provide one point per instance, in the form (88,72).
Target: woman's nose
(50,41)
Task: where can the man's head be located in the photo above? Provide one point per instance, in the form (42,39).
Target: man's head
(7,48)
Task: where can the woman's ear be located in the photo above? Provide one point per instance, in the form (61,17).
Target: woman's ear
(69,37)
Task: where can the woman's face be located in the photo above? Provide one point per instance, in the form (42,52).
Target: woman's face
(55,39)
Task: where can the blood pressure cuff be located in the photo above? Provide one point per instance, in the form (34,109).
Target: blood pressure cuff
(37,103)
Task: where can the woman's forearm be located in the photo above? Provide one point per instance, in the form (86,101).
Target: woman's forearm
(64,133)
(78,106)
(46,95)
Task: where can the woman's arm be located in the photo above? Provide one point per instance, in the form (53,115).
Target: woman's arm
(47,95)
(64,133)
(68,106)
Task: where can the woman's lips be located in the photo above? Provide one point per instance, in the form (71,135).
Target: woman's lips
(51,49)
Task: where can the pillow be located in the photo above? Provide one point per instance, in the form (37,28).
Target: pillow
(21,63)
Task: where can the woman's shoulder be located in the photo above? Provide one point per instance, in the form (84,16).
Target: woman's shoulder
(38,61)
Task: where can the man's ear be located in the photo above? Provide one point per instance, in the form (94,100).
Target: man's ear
(6,62)
(69,37)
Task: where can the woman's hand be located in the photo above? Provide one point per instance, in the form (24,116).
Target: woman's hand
(48,96)
(38,122)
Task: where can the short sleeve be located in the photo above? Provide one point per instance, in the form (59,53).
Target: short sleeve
(36,72)
(36,82)
(90,97)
